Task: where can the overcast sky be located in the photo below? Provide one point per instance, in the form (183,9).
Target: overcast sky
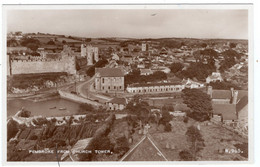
(132,23)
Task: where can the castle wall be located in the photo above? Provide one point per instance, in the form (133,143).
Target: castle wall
(66,64)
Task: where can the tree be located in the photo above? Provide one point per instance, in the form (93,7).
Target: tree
(223,85)
(85,107)
(139,108)
(64,42)
(196,141)
(199,102)
(176,67)
(51,42)
(12,129)
(232,45)
(204,45)
(185,155)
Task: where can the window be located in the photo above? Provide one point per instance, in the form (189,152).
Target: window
(108,87)
(102,87)
(103,80)
(114,87)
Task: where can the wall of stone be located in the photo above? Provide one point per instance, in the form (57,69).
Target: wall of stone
(76,98)
(66,64)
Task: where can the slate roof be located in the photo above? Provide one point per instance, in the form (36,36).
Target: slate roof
(118,101)
(242,103)
(226,94)
(155,84)
(146,71)
(144,150)
(221,94)
(109,72)
(228,111)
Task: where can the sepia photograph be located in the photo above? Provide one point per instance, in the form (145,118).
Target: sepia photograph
(134,83)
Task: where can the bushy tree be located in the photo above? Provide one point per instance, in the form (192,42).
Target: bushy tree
(51,42)
(12,129)
(223,85)
(176,67)
(199,103)
(185,155)
(196,141)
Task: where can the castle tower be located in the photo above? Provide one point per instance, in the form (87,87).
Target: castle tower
(83,50)
(96,57)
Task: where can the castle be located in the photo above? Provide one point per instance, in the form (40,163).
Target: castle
(64,62)
(90,52)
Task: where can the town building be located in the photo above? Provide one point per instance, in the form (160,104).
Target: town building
(146,72)
(230,106)
(109,80)
(115,57)
(192,84)
(155,88)
(127,58)
(144,47)
(116,104)
(215,76)
(90,52)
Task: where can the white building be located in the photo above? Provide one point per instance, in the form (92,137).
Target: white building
(215,76)
(155,88)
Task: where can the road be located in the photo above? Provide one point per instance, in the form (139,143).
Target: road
(86,90)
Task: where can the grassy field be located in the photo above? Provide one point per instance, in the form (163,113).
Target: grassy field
(215,138)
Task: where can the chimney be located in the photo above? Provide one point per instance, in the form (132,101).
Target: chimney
(232,92)
(209,92)
(234,98)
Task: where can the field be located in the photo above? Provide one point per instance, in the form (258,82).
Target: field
(216,140)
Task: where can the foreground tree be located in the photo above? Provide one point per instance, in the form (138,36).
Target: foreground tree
(196,141)
(199,103)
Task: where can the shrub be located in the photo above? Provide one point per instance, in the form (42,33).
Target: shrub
(185,155)
(168,127)
(186,119)
(33,137)
(12,129)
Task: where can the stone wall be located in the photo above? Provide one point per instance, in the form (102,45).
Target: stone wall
(76,98)
(66,64)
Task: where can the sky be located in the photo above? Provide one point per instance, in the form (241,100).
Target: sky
(132,23)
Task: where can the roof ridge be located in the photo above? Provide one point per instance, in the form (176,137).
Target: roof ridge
(130,151)
(151,140)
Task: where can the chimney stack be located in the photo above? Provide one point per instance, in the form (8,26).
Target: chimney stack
(232,92)
(234,98)
(209,92)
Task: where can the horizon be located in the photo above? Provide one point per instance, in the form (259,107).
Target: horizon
(143,24)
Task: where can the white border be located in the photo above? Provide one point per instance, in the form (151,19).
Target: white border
(251,62)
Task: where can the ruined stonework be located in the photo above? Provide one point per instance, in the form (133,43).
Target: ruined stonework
(90,52)
(64,64)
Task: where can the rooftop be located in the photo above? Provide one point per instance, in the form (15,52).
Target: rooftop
(154,84)
(117,100)
(228,111)
(109,72)
(144,150)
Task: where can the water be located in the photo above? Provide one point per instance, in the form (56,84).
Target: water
(43,107)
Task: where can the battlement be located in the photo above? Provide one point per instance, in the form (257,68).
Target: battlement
(40,59)
(67,65)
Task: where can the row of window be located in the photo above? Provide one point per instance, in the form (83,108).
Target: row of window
(156,90)
(112,88)
(114,79)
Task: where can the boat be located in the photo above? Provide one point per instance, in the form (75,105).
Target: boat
(62,108)
(52,107)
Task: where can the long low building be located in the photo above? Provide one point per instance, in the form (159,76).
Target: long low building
(155,88)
